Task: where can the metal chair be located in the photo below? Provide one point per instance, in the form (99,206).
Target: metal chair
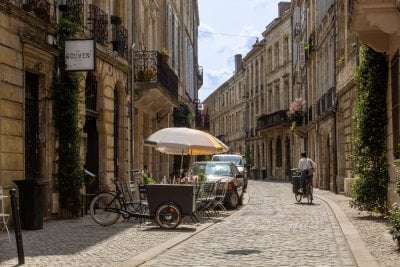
(4,216)
(218,202)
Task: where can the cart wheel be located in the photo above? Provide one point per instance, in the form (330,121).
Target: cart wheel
(168,216)
(298,196)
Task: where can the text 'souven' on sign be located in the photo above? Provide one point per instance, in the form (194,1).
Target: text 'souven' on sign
(80,55)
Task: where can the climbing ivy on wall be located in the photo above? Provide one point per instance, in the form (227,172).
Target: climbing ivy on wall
(370,187)
(182,118)
(65,90)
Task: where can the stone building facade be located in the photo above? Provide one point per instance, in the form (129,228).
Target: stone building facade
(225,109)
(29,57)
(171,26)
(246,111)
(27,139)
(117,108)
(324,37)
(276,91)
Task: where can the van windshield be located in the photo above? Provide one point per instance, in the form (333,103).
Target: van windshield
(231,158)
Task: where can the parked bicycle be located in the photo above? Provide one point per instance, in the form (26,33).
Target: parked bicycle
(161,204)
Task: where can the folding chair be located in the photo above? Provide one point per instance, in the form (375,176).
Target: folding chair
(218,202)
(4,216)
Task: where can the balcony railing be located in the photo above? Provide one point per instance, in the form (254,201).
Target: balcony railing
(40,8)
(273,119)
(120,40)
(149,68)
(326,101)
(98,23)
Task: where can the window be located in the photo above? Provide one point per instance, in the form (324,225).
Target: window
(276,56)
(395,72)
(285,49)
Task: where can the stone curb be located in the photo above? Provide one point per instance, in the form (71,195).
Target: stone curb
(147,256)
(155,251)
(360,252)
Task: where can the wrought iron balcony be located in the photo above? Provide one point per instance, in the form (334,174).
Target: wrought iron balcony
(150,69)
(98,23)
(119,40)
(40,8)
(274,119)
(326,101)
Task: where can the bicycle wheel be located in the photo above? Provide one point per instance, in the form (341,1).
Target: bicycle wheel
(298,196)
(104,209)
(310,195)
(168,216)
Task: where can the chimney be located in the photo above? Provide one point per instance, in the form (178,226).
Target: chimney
(283,7)
(238,63)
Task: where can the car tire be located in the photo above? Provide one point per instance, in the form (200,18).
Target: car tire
(233,200)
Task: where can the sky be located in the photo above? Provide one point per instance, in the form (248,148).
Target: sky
(227,28)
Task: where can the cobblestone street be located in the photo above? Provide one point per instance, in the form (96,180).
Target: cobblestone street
(272,230)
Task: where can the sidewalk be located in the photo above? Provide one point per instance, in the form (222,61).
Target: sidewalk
(372,230)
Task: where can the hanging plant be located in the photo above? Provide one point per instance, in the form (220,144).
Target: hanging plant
(65,91)
(369,191)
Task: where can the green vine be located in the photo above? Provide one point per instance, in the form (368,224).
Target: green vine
(394,212)
(65,90)
(182,118)
(370,188)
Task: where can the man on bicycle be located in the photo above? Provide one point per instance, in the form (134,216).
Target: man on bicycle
(306,167)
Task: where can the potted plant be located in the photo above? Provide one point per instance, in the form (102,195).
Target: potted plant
(164,55)
(145,75)
(296,110)
(147,179)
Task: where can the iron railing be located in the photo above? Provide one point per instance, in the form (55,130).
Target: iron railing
(326,101)
(119,40)
(98,23)
(273,119)
(40,8)
(149,68)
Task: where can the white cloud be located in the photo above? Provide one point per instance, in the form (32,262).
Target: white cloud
(235,23)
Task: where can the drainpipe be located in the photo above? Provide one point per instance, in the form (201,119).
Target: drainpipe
(335,108)
(132,106)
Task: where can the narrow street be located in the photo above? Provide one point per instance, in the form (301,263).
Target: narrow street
(271,230)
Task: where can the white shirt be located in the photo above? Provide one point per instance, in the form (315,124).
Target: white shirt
(306,164)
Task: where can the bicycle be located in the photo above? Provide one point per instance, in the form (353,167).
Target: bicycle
(107,207)
(307,188)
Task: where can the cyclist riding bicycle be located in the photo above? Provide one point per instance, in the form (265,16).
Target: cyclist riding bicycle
(306,167)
